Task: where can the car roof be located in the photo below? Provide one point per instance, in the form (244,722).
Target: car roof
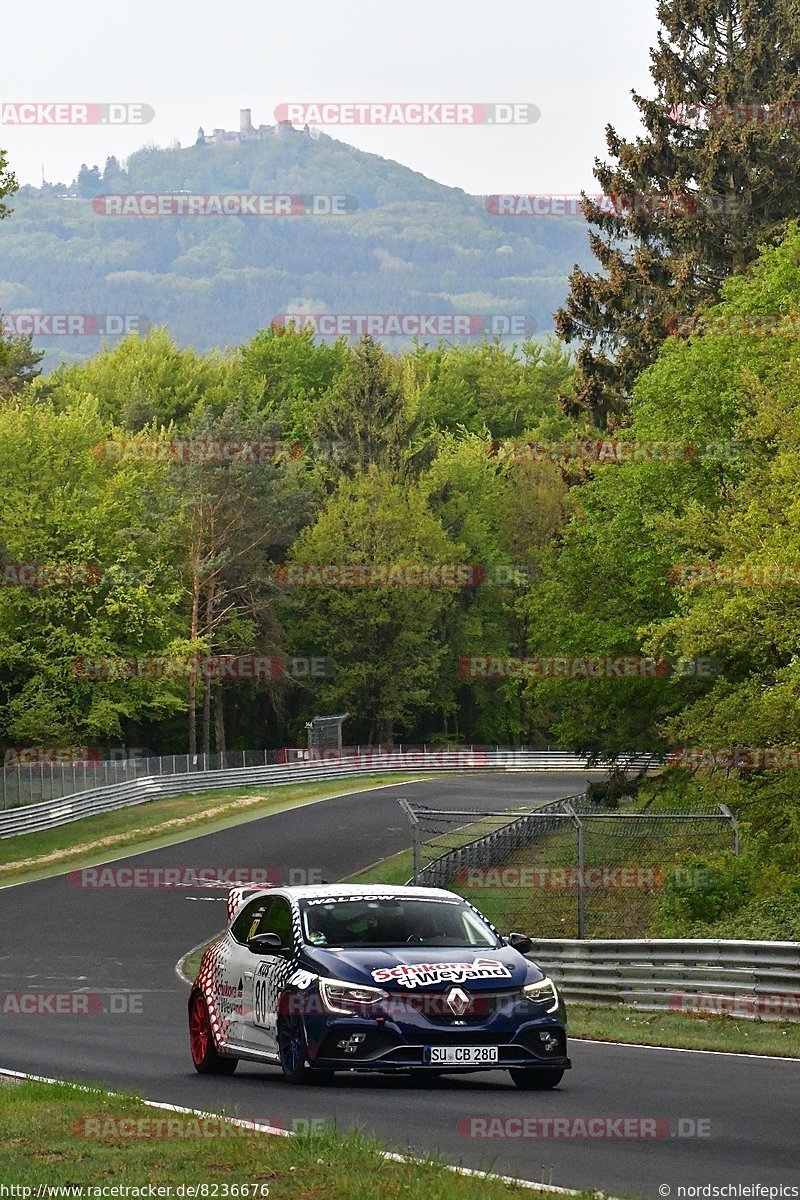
(315,891)
(241,895)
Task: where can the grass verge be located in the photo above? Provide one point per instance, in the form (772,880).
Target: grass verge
(688,1031)
(57,1134)
(156,823)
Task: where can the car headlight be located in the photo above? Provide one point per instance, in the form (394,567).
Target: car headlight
(349,999)
(543,992)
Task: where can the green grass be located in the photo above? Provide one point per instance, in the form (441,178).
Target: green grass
(43,1140)
(157,822)
(397,869)
(688,1031)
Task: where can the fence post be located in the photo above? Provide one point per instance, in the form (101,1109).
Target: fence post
(412,816)
(734,824)
(581,882)
(579,830)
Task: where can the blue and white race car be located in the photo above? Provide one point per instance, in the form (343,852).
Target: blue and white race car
(372,978)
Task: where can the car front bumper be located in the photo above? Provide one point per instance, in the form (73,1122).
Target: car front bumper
(375,1044)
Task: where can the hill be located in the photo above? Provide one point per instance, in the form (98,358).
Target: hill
(410,245)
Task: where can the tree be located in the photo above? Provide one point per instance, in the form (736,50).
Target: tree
(88,183)
(19,364)
(148,381)
(735,175)
(114,177)
(18,359)
(364,413)
(233,513)
(107,527)
(615,588)
(487,386)
(751,628)
(383,638)
(496,512)
(8,184)
(285,372)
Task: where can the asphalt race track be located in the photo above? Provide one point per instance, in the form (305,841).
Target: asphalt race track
(59,938)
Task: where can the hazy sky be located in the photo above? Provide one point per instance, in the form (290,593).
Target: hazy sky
(199,63)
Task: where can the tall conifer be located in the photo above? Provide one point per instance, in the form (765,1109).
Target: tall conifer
(722,138)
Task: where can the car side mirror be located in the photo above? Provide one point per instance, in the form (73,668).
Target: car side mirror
(265,943)
(520,942)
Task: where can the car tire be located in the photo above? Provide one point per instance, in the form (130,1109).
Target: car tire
(293,1053)
(536,1079)
(205,1057)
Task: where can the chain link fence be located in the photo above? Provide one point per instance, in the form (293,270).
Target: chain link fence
(567,870)
(44,777)
(40,779)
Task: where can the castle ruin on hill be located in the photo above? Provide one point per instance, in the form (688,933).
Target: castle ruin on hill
(247,131)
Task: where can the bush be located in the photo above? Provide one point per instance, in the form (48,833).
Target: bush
(701,893)
(608,793)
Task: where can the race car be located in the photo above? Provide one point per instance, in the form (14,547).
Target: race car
(372,978)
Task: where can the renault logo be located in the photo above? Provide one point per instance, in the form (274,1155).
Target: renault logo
(458,1001)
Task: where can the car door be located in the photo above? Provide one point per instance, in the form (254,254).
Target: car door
(265,977)
(239,961)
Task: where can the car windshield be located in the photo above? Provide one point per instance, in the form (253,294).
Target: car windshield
(352,921)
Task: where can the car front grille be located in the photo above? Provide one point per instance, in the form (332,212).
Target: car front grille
(433,1007)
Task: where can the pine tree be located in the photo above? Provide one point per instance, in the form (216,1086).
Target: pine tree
(363,417)
(723,139)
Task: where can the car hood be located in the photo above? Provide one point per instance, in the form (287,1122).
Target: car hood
(428,968)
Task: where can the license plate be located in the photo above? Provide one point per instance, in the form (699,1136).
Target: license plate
(462,1056)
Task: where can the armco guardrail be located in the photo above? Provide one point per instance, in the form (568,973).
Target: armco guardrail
(35,776)
(48,814)
(746,979)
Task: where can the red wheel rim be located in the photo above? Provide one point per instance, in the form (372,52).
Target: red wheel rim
(198,1029)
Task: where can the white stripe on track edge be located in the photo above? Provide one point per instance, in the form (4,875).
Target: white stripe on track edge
(686,1050)
(272,1131)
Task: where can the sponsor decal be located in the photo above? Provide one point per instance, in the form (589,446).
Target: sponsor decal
(417,974)
(302,980)
(314,900)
